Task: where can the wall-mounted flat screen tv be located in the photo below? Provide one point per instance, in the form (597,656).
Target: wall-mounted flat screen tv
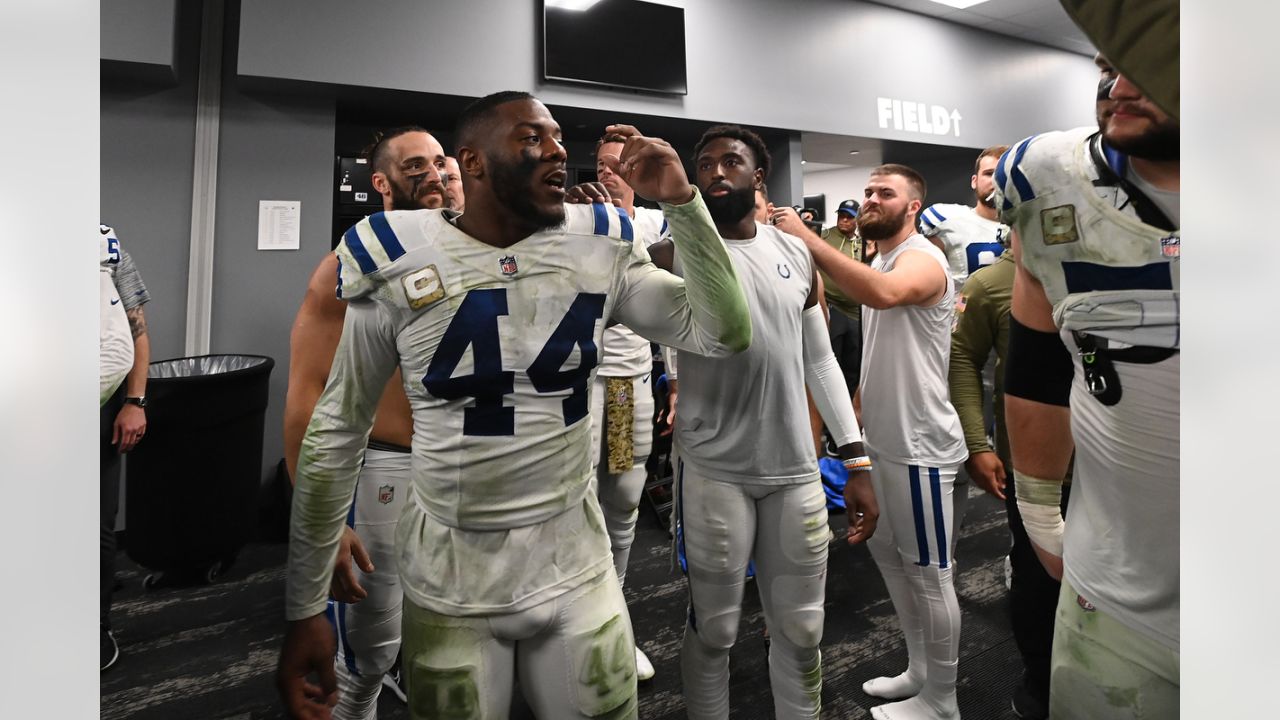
(630,44)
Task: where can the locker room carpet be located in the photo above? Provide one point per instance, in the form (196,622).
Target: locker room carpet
(210,651)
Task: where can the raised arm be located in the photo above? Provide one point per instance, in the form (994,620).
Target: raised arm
(705,313)
(914,280)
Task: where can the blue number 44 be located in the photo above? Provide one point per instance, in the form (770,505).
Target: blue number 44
(476,325)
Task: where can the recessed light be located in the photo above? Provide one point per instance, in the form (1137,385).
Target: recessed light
(854,152)
(802,162)
(576,5)
(960,4)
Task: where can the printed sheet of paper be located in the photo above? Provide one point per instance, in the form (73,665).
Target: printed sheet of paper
(278,224)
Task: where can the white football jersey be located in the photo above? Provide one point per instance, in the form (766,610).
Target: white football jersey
(497,348)
(1109,274)
(1104,270)
(115,340)
(969,240)
(626,354)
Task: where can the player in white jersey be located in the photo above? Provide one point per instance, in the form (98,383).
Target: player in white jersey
(970,237)
(913,434)
(115,342)
(748,486)
(622,395)
(125,354)
(1096,234)
(494,318)
(409,170)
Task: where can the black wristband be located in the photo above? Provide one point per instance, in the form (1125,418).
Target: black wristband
(1038,366)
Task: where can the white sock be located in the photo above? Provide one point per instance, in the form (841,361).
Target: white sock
(902,595)
(916,708)
(936,598)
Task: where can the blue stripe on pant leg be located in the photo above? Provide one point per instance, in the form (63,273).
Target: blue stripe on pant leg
(684,565)
(917,512)
(939,518)
(348,655)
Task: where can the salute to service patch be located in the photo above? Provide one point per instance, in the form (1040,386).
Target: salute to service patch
(1059,225)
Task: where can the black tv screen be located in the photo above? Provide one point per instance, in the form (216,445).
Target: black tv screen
(618,43)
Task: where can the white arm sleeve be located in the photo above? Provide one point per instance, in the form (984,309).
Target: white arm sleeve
(669,355)
(332,451)
(826,382)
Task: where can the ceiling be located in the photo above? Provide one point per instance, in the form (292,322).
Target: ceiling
(1037,21)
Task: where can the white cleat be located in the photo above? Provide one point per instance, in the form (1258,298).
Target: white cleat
(644,668)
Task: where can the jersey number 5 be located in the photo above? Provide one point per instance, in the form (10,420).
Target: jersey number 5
(476,324)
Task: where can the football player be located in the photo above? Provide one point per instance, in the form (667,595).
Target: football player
(495,318)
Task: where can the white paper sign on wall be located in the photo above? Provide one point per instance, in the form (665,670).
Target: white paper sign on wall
(917,117)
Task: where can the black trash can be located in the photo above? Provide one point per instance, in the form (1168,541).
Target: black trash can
(193,481)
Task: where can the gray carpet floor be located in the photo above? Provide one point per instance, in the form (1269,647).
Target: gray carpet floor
(209,651)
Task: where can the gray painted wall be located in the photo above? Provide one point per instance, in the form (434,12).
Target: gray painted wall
(147,136)
(1002,87)
(271,148)
(140,32)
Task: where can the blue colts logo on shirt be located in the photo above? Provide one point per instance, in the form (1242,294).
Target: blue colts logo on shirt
(784,271)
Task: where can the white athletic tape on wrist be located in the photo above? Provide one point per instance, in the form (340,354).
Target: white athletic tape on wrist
(1039,501)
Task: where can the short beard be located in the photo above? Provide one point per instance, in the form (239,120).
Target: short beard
(512,187)
(412,196)
(988,201)
(882,229)
(731,208)
(1160,144)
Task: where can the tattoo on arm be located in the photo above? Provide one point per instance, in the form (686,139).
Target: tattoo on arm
(137,322)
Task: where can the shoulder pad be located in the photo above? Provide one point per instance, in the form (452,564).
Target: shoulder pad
(370,246)
(933,217)
(598,219)
(1040,161)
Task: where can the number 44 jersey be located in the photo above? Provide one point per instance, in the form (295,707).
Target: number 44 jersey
(497,348)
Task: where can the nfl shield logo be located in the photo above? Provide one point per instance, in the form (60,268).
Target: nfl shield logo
(1171,246)
(508,265)
(386,493)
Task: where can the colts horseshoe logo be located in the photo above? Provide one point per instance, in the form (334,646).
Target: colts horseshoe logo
(784,271)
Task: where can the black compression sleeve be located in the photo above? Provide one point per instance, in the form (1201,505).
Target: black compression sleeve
(1039,366)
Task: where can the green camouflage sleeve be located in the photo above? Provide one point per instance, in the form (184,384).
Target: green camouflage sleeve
(706,312)
(972,341)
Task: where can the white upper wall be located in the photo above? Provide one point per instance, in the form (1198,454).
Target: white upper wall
(817,65)
(839,185)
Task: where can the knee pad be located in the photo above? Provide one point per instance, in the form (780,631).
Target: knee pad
(803,628)
(621,527)
(797,612)
(718,631)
